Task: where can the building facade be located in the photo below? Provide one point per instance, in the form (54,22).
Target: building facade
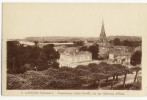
(120,56)
(72,57)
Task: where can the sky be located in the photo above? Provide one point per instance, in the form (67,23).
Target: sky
(22,20)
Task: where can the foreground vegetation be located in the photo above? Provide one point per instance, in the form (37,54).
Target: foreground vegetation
(67,78)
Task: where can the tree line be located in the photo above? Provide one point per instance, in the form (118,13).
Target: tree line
(21,58)
(115,42)
(118,42)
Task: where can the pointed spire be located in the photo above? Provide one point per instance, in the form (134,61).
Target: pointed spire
(102,34)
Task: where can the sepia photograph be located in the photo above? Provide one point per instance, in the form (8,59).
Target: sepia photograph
(73,46)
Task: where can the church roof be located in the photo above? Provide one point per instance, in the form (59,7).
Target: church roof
(74,51)
(102,34)
(102,41)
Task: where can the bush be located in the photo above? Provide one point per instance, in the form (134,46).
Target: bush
(63,78)
(64,75)
(58,84)
(14,82)
(94,67)
(81,72)
(103,64)
(136,86)
(55,65)
(68,69)
(36,80)
(51,71)
(63,84)
(83,67)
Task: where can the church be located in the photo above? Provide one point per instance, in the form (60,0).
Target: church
(116,54)
(102,41)
(104,45)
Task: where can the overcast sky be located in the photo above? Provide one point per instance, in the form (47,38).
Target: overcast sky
(25,20)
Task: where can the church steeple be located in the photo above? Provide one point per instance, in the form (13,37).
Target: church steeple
(102,34)
(103,42)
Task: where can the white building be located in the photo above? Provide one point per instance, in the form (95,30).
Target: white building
(72,57)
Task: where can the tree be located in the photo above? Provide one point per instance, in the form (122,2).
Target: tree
(36,43)
(50,52)
(78,43)
(116,41)
(12,48)
(84,48)
(34,53)
(127,43)
(55,65)
(16,57)
(42,62)
(52,55)
(19,56)
(94,49)
(131,43)
(136,58)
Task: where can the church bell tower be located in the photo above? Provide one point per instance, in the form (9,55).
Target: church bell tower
(102,34)
(103,40)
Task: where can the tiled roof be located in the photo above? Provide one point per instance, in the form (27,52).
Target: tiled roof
(71,50)
(61,50)
(120,52)
(75,51)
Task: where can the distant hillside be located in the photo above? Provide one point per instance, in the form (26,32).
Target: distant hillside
(59,39)
(71,39)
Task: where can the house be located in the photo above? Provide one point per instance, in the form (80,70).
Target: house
(72,57)
(26,43)
(103,52)
(120,56)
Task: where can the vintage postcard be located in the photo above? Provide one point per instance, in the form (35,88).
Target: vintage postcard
(74,49)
